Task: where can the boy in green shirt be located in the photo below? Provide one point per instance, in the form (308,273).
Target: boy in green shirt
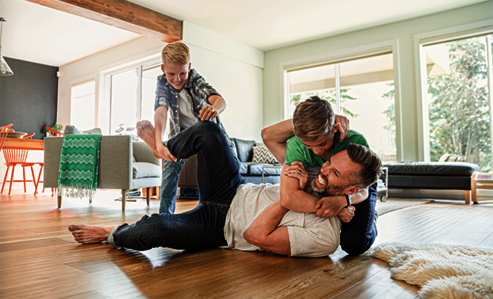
(317,139)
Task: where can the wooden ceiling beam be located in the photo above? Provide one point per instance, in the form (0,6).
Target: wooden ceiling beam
(122,14)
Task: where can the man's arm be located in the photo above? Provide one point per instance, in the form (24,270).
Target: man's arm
(265,233)
(275,138)
(218,105)
(332,205)
(160,119)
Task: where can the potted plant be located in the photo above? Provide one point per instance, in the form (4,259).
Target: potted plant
(56,126)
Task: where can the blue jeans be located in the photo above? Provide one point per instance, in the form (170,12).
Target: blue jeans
(358,235)
(203,227)
(169,185)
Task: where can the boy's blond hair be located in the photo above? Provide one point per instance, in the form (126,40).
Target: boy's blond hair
(176,52)
(312,118)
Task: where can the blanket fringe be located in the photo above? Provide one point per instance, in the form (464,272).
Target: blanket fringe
(77,191)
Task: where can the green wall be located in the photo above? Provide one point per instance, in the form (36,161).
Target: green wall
(402,34)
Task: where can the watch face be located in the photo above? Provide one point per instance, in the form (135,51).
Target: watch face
(349,199)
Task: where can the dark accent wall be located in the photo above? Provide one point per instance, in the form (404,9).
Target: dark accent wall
(28,99)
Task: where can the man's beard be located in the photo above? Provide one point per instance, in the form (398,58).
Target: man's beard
(327,190)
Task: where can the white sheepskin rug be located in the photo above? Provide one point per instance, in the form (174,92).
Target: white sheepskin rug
(442,271)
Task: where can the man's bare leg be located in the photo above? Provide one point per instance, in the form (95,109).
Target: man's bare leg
(87,234)
(145,130)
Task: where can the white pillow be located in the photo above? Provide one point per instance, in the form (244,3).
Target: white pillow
(261,154)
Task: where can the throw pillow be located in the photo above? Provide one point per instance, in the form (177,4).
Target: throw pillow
(261,154)
(71,129)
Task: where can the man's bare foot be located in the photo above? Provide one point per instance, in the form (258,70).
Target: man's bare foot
(145,130)
(87,234)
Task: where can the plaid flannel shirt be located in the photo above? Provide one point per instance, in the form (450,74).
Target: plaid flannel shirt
(198,90)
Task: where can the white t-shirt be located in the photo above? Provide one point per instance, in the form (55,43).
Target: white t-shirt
(309,235)
(186,110)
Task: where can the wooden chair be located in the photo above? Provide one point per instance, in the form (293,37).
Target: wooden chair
(52,132)
(4,131)
(14,157)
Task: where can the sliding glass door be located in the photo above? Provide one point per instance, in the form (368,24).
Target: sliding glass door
(360,89)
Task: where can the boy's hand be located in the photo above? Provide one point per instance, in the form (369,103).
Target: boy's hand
(342,125)
(165,154)
(297,171)
(346,214)
(207,112)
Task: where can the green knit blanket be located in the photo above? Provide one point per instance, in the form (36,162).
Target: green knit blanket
(79,162)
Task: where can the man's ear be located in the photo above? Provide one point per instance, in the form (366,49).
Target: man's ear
(162,68)
(189,66)
(351,190)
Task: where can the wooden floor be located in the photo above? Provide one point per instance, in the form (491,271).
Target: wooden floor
(38,258)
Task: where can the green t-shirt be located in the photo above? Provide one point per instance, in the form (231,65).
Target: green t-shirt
(297,151)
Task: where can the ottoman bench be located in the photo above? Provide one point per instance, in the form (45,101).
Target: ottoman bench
(431,175)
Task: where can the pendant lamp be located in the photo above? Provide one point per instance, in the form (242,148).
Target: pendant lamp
(4,67)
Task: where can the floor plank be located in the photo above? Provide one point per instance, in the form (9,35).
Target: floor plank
(38,257)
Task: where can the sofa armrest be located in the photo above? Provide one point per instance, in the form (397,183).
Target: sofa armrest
(143,153)
(52,153)
(115,162)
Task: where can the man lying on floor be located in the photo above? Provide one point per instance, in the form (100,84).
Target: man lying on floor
(231,214)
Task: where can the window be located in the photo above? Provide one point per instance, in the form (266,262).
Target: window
(360,89)
(132,97)
(459,99)
(83,105)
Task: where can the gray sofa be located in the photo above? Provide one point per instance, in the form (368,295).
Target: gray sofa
(249,170)
(116,167)
(431,175)
(252,171)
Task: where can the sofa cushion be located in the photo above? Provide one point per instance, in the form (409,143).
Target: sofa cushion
(244,148)
(431,168)
(71,129)
(145,170)
(256,169)
(243,168)
(261,154)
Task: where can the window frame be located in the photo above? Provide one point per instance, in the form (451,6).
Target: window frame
(105,79)
(429,38)
(343,55)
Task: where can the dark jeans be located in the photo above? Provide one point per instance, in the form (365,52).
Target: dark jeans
(358,235)
(218,178)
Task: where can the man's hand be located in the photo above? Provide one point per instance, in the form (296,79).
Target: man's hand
(342,125)
(330,206)
(297,171)
(346,214)
(207,112)
(164,153)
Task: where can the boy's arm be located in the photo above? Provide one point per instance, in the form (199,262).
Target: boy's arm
(292,197)
(275,138)
(160,119)
(265,233)
(218,105)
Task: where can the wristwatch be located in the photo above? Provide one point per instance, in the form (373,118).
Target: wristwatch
(349,200)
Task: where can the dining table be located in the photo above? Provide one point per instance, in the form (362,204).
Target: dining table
(21,143)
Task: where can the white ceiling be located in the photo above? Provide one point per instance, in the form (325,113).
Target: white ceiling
(43,35)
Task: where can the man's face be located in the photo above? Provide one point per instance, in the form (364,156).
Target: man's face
(176,74)
(333,178)
(322,145)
